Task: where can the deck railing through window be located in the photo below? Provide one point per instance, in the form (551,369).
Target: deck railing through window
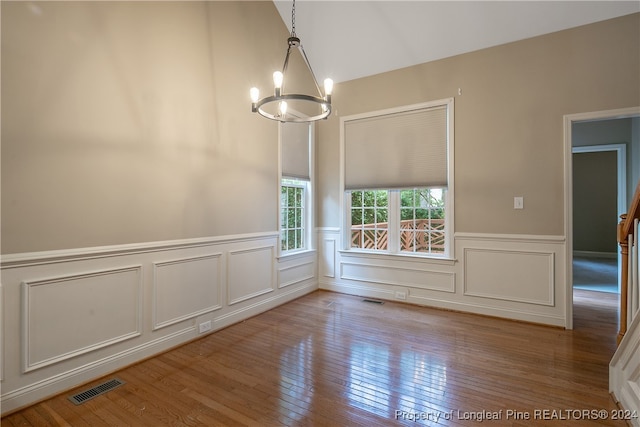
(629,288)
(423,236)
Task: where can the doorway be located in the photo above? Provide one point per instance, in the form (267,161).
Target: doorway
(573,140)
(599,198)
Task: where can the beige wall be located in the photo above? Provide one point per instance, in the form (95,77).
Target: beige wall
(128,122)
(508,119)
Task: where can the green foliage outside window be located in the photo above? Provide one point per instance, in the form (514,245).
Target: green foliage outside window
(369,206)
(426,203)
(292,217)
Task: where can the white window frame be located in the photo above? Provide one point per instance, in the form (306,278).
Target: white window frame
(308,219)
(304,185)
(394,194)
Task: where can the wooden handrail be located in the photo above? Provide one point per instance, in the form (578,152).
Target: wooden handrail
(625,227)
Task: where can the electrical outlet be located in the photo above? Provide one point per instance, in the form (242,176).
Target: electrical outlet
(205,326)
(401,295)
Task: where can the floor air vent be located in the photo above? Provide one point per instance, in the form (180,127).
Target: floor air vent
(373,301)
(96,391)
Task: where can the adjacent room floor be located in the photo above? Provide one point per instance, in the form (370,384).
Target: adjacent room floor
(595,274)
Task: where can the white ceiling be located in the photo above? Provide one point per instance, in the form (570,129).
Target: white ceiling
(346,40)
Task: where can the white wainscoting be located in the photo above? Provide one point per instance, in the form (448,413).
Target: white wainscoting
(401,275)
(57,327)
(250,273)
(493,273)
(185,288)
(518,277)
(72,316)
(328,251)
(294,272)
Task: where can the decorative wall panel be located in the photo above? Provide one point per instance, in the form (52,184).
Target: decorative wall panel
(67,316)
(185,288)
(297,273)
(399,276)
(250,273)
(518,276)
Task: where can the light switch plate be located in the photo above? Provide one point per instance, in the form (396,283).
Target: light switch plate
(518,202)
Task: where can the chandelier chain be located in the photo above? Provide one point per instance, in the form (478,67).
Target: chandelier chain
(293,19)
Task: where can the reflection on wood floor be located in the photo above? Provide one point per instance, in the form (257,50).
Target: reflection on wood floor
(332,359)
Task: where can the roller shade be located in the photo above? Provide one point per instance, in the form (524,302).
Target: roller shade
(295,150)
(400,150)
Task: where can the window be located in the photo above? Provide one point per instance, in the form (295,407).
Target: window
(295,187)
(404,221)
(292,215)
(369,219)
(398,175)
(422,220)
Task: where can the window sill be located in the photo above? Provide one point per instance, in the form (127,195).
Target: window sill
(430,259)
(297,254)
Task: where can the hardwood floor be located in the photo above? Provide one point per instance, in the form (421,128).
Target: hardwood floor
(328,359)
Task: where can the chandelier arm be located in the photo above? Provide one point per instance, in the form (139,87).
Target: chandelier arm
(306,61)
(285,65)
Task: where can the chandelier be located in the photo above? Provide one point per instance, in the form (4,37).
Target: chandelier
(309,107)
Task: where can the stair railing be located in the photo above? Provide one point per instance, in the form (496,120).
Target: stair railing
(629,288)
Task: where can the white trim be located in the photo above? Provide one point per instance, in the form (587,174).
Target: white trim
(328,230)
(550,297)
(345,226)
(297,255)
(28,259)
(309,234)
(525,238)
(298,279)
(415,272)
(27,285)
(394,110)
(252,250)
(155,325)
(568,121)
(403,256)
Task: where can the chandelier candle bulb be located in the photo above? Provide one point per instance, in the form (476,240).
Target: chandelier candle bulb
(255,94)
(278,78)
(328,87)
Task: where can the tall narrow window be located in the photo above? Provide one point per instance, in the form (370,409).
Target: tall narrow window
(295,187)
(398,179)
(292,215)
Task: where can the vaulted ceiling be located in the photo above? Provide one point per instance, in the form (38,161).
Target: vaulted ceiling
(346,40)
